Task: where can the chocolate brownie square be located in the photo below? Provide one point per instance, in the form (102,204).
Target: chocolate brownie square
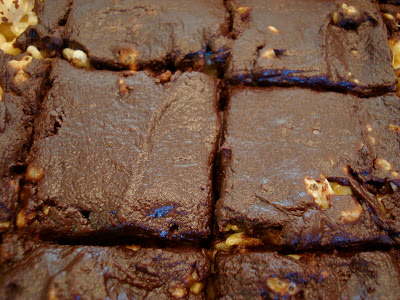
(22,78)
(123,155)
(302,169)
(325,44)
(337,275)
(155,34)
(88,272)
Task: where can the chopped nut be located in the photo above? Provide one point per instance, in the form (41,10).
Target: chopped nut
(382,207)
(20,64)
(32,50)
(283,287)
(230,227)
(394,128)
(388,16)
(353,214)
(179,292)
(34,174)
(395,47)
(316,131)
(348,9)
(356,81)
(1,93)
(128,58)
(340,190)
(166,76)
(354,52)
(52,294)
(222,246)
(240,239)
(369,127)
(197,287)
(4,225)
(23,219)
(269,53)
(393,186)
(295,256)
(46,210)
(372,140)
(335,18)
(383,163)
(273,29)
(244,12)
(122,87)
(321,191)
(134,247)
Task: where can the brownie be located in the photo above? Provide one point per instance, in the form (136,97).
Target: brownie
(302,169)
(155,34)
(89,272)
(268,275)
(21,80)
(123,155)
(48,34)
(320,44)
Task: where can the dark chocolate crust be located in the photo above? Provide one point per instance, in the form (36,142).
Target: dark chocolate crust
(277,139)
(363,275)
(158,33)
(71,272)
(314,43)
(124,155)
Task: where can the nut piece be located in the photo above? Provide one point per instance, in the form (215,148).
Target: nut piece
(240,239)
(134,247)
(353,214)
(349,10)
(197,287)
(395,47)
(273,29)
(179,292)
(46,210)
(244,12)
(23,219)
(383,164)
(388,16)
(34,174)
(340,190)
(321,191)
(122,87)
(230,227)
(166,76)
(269,53)
(1,93)
(32,50)
(77,57)
(295,256)
(394,128)
(4,225)
(128,58)
(283,287)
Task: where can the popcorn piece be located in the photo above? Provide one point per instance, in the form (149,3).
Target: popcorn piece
(77,57)
(16,16)
(269,53)
(179,292)
(128,58)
